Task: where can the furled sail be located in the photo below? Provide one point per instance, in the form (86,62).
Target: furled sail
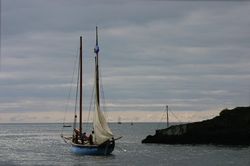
(101,128)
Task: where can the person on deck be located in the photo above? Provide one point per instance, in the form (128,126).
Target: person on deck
(84,137)
(91,140)
(77,134)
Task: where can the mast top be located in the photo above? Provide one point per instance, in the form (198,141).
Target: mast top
(96,33)
(96,49)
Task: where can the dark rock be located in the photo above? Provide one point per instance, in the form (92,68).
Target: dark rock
(231,127)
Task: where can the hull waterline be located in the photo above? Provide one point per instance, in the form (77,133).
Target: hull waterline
(103,149)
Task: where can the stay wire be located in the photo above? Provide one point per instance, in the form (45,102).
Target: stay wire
(174,116)
(103,95)
(164,114)
(70,91)
(90,106)
(162,117)
(76,98)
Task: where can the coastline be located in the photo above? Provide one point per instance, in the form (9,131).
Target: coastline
(231,127)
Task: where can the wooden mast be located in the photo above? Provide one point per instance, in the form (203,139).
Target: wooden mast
(80,109)
(96,50)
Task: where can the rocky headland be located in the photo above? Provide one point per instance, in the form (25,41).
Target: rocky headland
(231,127)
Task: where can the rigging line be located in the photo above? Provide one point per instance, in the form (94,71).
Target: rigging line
(102,95)
(90,105)
(95,107)
(102,92)
(76,99)
(70,90)
(174,116)
(162,117)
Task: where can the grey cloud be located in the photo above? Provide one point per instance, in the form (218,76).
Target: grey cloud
(193,55)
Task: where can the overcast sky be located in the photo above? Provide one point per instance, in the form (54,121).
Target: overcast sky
(191,55)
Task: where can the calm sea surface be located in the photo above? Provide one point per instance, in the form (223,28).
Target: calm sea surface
(41,144)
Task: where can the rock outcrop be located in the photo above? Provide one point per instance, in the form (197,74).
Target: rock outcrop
(231,127)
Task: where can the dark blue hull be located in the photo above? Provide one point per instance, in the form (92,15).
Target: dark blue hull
(104,149)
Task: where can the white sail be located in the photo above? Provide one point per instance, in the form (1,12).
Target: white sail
(101,128)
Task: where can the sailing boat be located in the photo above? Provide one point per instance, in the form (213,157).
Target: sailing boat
(119,120)
(101,142)
(165,113)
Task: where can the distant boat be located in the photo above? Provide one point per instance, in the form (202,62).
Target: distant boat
(165,113)
(67,125)
(119,120)
(102,142)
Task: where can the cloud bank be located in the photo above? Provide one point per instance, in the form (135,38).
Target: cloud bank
(193,56)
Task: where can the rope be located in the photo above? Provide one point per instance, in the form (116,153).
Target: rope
(90,106)
(174,116)
(163,116)
(76,99)
(102,93)
(103,96)
(69,95)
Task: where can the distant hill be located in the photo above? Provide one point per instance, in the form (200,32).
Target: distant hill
(231,127)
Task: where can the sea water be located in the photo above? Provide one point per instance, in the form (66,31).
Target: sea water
(41,144)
